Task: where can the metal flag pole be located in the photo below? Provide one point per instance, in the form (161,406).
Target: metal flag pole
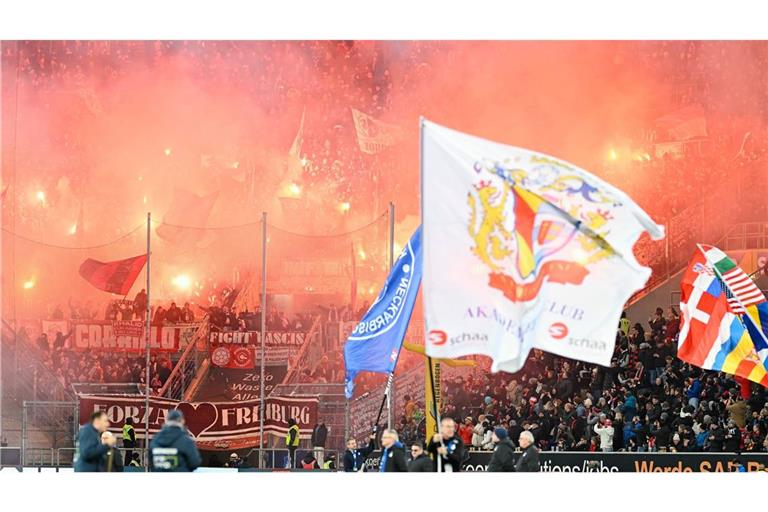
(263,332)
(423,231)
(147,349)
(391,380)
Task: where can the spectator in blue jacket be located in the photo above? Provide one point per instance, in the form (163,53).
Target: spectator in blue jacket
(693,393)
(89,450)
(630,405)
(172,449)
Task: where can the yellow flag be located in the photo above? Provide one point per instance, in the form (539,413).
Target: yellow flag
(429,404)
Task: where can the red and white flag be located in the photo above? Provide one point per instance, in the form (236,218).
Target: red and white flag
(113,276)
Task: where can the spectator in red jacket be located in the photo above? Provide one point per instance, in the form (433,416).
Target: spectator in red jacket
(466,430)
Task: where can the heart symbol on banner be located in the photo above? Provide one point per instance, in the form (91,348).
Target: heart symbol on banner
(199,417)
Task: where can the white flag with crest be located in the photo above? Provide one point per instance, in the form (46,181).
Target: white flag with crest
(521,251)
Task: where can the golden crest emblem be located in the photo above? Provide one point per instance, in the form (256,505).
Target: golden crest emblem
(535,225)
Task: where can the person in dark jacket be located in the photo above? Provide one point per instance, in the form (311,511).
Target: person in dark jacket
(172,449)
(111,462)
(448,446)
(393,455)
(354,459)
(420,461)
(88,447)
(528,462)
(319,436)
(732,440)
(503,458)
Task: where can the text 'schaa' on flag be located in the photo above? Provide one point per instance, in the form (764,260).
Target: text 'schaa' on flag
(521,251)
(375,343)
(724,317)
(113,276)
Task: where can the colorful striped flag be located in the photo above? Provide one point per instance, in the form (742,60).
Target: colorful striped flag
(740,289)
(714,335)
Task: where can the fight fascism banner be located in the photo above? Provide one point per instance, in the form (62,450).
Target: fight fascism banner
(287,339)
(128,336)
(213,425)
(620,462)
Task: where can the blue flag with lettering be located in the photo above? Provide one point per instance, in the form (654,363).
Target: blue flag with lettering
(375,343)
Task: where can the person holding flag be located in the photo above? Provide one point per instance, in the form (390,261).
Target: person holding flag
(354,458)
(448,447)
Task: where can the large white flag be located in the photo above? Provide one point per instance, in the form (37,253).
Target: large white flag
(521,251)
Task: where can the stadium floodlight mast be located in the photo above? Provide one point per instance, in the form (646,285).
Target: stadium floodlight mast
(147,350)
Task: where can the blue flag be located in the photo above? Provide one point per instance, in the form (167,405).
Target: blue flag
(375,343)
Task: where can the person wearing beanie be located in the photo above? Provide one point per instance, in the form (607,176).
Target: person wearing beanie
(503,458)
(173,449)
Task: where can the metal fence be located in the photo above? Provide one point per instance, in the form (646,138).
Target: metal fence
(279,458)
(65,456)
(51,424)
(183,373)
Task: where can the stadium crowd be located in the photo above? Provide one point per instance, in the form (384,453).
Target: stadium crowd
(648,400)
(67,366)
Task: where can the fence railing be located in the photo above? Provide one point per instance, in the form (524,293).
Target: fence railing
(279,458)
(56,422)
(65,456)
(184,371)
(32,380)
(303,358)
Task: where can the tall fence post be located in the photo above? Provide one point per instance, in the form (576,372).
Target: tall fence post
(391,390)
(263,333)
(147,350)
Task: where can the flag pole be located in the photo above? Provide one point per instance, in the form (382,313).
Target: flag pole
(386,399)
(435,410)
(263,330)
(147,349)
(391,380)
(423,230)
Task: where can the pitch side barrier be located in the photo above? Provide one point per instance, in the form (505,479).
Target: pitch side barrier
(621,462)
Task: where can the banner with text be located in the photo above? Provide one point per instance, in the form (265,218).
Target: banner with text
(213,425)
(128,336)
(282,339)
(241,385)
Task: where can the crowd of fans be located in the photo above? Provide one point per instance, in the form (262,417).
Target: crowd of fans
(648,400)
(61,366)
